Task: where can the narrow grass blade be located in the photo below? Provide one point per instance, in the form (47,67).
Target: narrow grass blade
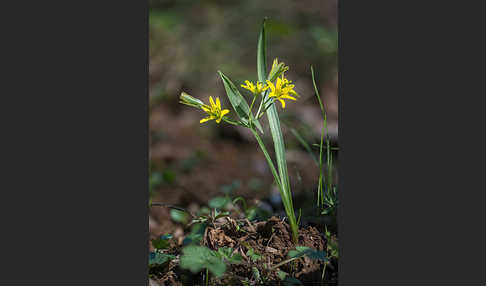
(238,102)
(320,193)
(277,136)
(304,144)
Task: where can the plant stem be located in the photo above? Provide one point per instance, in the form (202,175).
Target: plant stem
(260,107)
(269,160)
(231,122)
(284,262)
(251,107)
(284,193)
(207,277)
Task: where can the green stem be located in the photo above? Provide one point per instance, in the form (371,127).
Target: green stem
(286,195)
(269,160)
(251,107)
(232,122)
(266,108)
(260,107)
(207,277)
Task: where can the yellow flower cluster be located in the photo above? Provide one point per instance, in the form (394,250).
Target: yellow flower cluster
(280,90)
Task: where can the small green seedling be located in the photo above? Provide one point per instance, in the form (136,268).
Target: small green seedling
(162,242)
(256,275)
(254,256)
(196,258)
(196,234)
(332,249)
(157,258)
(229,255)
(332,244)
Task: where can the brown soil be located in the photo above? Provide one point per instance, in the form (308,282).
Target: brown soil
(271,239)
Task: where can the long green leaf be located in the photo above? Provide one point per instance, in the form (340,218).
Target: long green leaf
(277,136)
(238,102)
(262,54)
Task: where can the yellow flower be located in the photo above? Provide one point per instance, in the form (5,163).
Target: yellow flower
(255,89)
(281,90)
(214,111)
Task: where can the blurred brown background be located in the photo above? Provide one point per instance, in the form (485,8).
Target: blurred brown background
(189,41)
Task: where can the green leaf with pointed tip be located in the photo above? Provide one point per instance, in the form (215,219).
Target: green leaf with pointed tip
(309,252)
(238,102)
(274,123)
(179,216)
(218,202)
(195,258)
(262,54)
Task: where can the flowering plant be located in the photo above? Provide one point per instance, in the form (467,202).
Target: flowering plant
(268,89)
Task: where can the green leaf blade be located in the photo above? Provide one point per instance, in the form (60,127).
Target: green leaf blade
(274,123)
(238,102)
(261,54)
(309,252)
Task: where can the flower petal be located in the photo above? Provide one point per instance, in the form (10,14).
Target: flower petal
(283,102)
(270,84)
(206,119)
(288,96)
(224,112)
(211,101)
(218,103)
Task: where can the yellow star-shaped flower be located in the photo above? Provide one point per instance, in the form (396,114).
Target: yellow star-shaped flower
(281,90)
(214,111)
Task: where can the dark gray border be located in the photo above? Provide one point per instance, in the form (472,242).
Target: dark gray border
(77,75)
(404,134)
